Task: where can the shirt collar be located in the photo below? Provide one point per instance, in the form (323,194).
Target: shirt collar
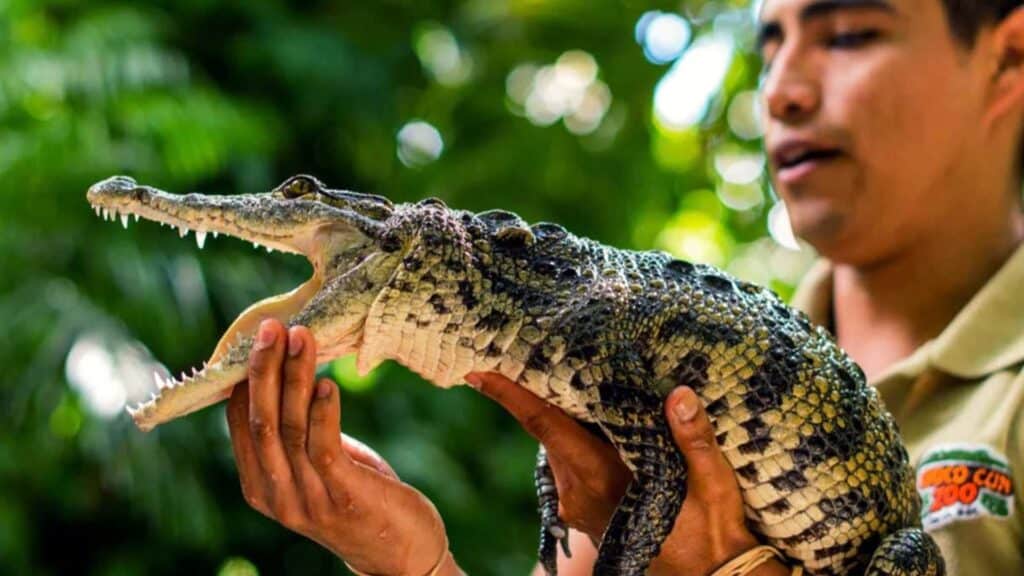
(986,336)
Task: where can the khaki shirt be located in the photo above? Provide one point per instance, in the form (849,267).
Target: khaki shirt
(965,435)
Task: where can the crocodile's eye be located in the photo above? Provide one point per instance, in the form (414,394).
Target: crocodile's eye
(298,186)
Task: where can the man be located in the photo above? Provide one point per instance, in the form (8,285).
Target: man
(894,130)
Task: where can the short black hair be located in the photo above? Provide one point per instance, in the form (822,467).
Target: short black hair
(967,17)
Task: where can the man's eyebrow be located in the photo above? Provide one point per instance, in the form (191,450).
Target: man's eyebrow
(821,8)
(772,30)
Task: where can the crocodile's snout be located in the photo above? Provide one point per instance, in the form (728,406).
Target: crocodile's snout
(115,185)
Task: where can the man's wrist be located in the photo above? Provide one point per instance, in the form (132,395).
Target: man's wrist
(722,547)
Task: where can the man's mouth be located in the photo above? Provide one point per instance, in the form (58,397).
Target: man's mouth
(797,160)
(808,156)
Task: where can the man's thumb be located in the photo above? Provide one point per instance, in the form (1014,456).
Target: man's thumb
(695,437)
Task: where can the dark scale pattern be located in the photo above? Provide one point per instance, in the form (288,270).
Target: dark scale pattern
(692,370)
(613,329)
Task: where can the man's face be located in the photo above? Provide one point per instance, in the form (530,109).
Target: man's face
(871,110)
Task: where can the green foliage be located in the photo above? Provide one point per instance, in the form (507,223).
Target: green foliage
(235,96)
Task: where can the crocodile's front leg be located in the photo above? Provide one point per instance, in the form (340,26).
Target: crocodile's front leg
(633,419)
(552,529)
(907,552)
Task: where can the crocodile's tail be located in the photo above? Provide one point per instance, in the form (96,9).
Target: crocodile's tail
(907,552)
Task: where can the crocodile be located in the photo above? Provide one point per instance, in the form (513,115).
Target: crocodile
(602,333)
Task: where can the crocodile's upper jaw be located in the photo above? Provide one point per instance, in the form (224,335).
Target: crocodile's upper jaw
(121,198)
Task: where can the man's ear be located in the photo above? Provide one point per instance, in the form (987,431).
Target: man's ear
(1007,90)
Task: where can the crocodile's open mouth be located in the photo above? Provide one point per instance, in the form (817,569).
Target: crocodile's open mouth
(167,210)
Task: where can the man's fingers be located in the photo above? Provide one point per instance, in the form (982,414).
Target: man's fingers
(695,437)
(325,450)
(560,434)
(297,391)
(366,456)
(264,416)
(250,475)
(265,385)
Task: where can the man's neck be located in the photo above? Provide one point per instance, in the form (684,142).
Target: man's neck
(885,311)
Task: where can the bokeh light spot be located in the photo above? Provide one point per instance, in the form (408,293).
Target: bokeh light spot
(744,115)
(441,56)
(567,90)
(237,566)
(739,167)
(696,235)
(591,109)
(740,196)
(662,35)
(419,144)
(676,149)
(780,228)
(682,96)
(90,369)
(519,84)
(345,373)
(575,70)
(109,373)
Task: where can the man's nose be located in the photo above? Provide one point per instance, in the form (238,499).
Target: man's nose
(791,92)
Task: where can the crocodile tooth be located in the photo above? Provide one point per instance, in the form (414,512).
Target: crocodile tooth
(269,249)
(255,245)
(200,238)
(136,217)
(106,214)
(214,233)
(183,232)
(124,220)
(97,209)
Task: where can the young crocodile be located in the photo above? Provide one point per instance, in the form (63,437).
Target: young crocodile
(603,334)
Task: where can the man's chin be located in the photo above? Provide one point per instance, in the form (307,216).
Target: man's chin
(818,223)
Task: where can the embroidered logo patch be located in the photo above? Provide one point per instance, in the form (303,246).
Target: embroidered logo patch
(963,481)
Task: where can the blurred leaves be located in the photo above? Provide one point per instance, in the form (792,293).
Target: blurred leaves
(229,97)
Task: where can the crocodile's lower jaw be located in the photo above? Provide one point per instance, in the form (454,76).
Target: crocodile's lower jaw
(282,307)
(228,365)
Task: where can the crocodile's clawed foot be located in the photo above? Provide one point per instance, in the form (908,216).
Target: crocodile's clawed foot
(553,533)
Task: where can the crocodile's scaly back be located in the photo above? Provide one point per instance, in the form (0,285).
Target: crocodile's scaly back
(604,334)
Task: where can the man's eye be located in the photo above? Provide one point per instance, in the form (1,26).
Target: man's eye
(852,39)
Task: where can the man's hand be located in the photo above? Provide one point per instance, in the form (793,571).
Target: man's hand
(591,478)
(296,468)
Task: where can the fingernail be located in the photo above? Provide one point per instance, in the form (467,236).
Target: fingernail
(686,407)
(473,380)
(266,335)
(323,389)
(294,342)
